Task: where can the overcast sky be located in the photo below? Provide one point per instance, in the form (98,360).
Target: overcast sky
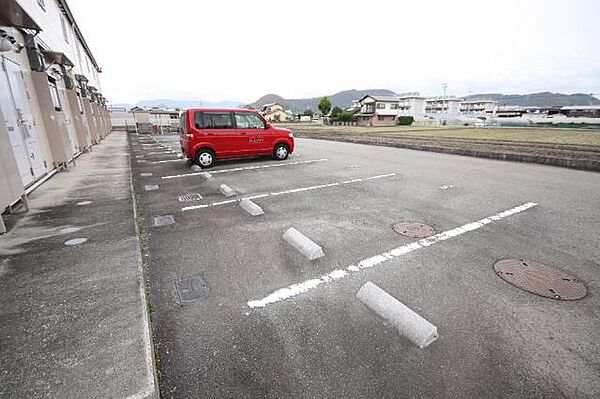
(241,50)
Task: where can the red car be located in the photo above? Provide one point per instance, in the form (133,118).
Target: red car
(207,134)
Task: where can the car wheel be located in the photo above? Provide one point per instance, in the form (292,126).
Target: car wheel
(205,158)
(281,152)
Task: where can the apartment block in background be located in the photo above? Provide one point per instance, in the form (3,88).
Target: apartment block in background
(443,107)
(478,107)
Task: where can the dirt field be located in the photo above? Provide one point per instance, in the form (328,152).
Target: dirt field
(574,148)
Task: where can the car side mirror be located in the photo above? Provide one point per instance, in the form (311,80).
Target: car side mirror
(267,125)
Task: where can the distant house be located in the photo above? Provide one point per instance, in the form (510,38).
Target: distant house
(377,110)
(274,112)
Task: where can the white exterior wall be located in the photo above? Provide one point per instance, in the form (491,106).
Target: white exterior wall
(411,106)
(22,60)
(121,119)
(52,37)
(454,107)
(387,110)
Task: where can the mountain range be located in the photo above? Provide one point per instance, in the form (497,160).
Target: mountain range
(343,99)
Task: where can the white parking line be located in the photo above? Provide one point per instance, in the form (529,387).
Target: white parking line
(295,190)
(297,289)
(246,168)
(180,159)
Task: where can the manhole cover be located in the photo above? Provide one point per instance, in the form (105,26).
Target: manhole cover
(413,229)
(540,279)
(190,289)
(190,197)
(163,220)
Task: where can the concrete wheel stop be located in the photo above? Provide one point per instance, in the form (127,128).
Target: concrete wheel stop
(252,208)
(408,323)
(303,244)
(226,190)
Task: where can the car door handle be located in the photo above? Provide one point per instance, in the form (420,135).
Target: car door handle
(244,133)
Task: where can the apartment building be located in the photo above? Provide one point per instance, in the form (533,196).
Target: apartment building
(478,107)
(411,104)
(51,103)
(445,106)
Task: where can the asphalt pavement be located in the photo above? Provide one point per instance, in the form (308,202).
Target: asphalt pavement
(239,312)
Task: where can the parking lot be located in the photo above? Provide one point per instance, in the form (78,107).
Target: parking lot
(265,321)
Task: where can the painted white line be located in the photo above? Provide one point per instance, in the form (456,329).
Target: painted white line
(160,153)
(168,160)
(297,289)
(292,191)
(247,168)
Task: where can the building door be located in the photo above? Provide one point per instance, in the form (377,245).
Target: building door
(65,118)
(20,123)
(84,121)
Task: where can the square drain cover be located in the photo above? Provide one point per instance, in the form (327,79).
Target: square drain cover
(190,197)
(190,289)
(163,220)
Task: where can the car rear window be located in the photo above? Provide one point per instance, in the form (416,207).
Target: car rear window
(214,120)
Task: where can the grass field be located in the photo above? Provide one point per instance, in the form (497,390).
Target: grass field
(533,135)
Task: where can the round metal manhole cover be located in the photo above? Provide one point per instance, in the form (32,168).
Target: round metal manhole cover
(540,279)
(413,229)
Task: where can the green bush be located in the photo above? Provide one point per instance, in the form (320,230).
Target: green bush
(405,120)
(335,112)
(345,117)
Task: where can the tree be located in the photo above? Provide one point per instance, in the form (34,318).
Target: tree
(277,118)
(335,112)
(308,112)
(324,106)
